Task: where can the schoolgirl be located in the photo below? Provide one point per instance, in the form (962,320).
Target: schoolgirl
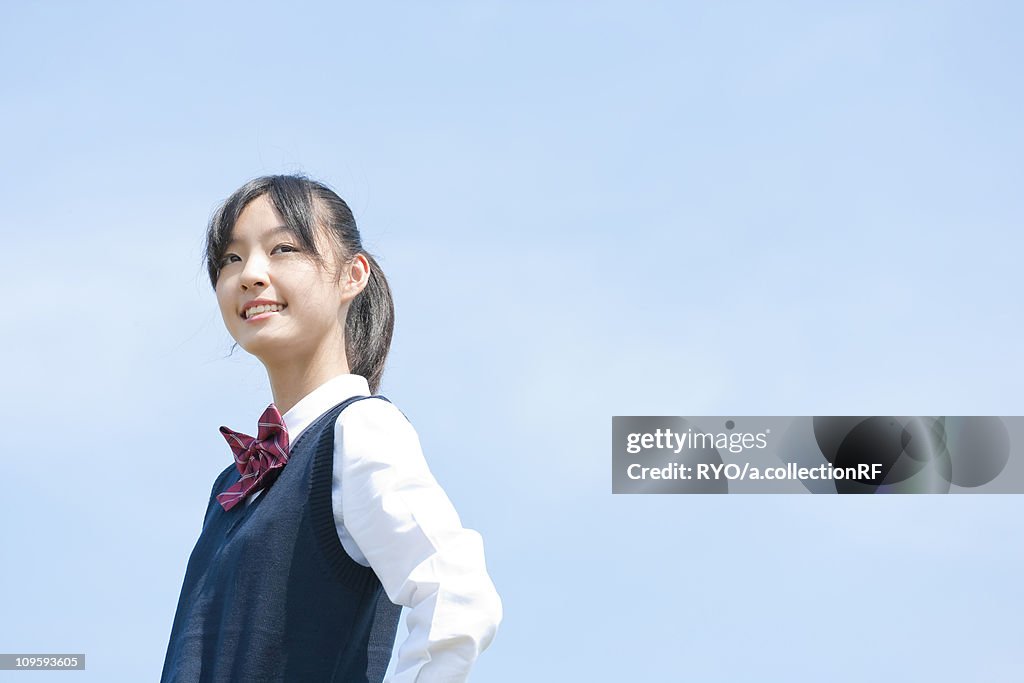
(328,520)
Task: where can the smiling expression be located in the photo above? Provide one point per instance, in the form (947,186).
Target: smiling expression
(276,301)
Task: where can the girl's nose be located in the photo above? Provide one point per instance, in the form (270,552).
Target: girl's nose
(254,274)
(253,283)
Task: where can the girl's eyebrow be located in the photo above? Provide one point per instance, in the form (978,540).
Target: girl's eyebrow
(270,233)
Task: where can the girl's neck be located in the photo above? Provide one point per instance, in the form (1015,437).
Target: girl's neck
(292,382)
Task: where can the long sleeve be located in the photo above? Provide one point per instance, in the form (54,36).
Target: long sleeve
(393,516)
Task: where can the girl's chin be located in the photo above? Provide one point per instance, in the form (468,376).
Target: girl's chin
(262,347)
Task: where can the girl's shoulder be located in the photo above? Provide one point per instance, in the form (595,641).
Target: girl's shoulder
(376,410)
(374,430)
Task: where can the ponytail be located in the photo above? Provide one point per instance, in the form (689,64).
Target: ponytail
(369,327)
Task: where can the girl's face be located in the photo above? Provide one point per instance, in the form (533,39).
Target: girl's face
(265,263)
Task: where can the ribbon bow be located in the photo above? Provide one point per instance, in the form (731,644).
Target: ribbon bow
(256,458)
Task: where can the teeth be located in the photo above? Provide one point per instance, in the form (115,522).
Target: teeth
(256,310)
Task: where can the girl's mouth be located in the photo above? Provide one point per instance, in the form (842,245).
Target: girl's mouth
(263,315)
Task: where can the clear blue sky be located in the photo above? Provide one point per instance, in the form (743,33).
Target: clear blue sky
(585,210)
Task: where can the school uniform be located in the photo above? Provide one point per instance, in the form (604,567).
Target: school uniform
(303,580)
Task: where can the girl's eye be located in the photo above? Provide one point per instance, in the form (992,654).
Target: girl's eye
(230,258)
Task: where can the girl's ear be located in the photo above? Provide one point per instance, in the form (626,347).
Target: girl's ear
(357,276)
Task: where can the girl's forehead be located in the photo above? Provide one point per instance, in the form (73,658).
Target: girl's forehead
(258,215)
(256,233)
(258,221)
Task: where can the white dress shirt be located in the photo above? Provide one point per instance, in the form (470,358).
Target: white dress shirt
(393,516)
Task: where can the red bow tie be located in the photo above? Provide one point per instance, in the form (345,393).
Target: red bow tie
(256,458)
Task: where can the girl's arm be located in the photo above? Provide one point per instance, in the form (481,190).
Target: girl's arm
(408,531)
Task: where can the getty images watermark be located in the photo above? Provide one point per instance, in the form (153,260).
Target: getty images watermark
(882,454)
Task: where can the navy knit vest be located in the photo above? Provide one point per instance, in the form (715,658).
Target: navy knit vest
(270,593)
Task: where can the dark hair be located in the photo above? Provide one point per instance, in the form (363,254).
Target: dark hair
(305,204)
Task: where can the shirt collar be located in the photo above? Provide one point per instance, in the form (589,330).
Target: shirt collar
(320,400)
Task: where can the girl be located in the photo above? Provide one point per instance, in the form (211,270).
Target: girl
(329,520)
